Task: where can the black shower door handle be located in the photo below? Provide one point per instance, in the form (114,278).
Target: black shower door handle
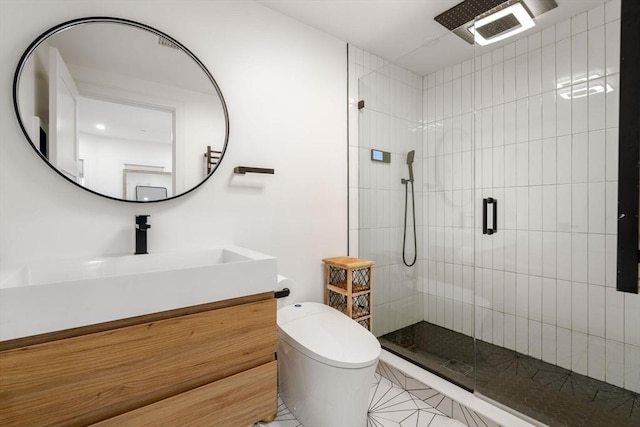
(485,203)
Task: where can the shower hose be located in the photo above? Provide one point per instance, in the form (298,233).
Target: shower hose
(404,237)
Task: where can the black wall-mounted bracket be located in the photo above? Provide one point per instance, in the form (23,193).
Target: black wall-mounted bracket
(241,170)
(282,294)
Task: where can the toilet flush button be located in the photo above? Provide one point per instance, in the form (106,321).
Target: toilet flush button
(298,305)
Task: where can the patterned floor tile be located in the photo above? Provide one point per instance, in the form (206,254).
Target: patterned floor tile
(392,374)
(390,405)
(435,399)
(284,419)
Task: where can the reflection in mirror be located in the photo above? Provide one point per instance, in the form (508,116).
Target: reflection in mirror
(115,106)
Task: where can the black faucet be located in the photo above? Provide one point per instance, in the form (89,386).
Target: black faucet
(141,234)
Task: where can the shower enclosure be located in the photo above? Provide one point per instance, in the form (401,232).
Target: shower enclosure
(519,137)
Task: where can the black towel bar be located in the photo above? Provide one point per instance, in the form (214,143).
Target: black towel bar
(241,170)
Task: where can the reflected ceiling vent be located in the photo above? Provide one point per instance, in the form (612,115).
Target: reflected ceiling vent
(490,21)
(166,43)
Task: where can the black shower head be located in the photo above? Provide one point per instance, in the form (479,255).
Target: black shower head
(410,156)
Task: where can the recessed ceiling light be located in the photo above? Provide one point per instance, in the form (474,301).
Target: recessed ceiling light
(517,10)
(100,126)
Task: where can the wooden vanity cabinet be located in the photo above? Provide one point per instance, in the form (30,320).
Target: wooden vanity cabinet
(211,364)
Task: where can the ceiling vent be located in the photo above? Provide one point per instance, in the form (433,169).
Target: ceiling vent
(490,21)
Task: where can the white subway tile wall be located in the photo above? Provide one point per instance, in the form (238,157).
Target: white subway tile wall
(533,124)
(545,145)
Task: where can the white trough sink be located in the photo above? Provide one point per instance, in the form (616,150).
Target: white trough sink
(52,296)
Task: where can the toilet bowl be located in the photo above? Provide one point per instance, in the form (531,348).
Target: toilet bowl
(326,365)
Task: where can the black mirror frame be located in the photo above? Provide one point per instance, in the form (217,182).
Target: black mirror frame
(102,19)
(629,149)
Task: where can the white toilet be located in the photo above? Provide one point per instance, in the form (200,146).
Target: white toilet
(326,365)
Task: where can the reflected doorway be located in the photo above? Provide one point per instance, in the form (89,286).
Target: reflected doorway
(121,142)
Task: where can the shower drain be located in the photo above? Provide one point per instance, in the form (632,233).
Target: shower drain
(458,366)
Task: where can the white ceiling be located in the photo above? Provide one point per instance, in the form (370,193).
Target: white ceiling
(123,50)
(125,122)
(403,31)
(129,51)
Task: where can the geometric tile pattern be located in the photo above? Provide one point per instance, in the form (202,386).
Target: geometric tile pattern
(434,398)
(391,405)
(398,400)
(284,419)
(545,392)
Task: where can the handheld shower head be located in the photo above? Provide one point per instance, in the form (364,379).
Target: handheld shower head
(410,155)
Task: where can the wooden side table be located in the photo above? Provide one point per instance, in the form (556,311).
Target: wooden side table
(348,287)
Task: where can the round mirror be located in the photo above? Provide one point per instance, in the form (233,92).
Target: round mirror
(121,109)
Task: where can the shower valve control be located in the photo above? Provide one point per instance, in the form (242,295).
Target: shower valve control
(380,156)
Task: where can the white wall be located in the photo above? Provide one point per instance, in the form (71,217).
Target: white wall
(104,159)
(285,86)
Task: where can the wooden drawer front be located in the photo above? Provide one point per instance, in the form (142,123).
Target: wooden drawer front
(239,400)
(89,378)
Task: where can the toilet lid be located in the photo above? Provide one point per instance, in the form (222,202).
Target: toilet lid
(326,335)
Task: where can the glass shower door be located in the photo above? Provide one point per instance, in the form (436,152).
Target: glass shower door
(512,183)
(546,334)
(388,124)
(446,340)
(424,312)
